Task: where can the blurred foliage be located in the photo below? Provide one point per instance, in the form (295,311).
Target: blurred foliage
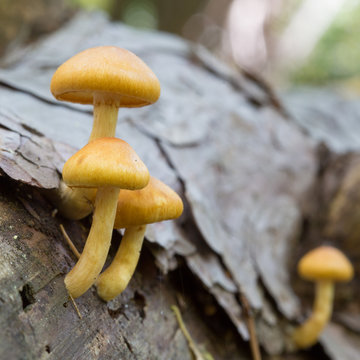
(22,21)
(337,55)
(288,8)
(167,15)
(335,58)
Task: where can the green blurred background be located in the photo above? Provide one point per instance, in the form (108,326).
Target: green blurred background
(287,41)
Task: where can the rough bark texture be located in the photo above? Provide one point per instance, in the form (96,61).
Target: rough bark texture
(256,183)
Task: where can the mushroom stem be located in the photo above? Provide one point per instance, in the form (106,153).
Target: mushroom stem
(93,257)
(307,334)
(116,277)
(73,203)
(105,119)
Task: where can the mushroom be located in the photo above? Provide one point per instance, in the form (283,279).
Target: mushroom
(323,265)
(154,203)
(108,164)
(107,77)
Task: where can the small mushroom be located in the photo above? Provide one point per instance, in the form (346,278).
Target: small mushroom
(324,265)
(154,203)
(107,77)
(108,164)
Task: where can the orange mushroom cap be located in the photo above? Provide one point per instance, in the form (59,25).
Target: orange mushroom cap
(106,162)
(325,263)
(119,76)
(154,203)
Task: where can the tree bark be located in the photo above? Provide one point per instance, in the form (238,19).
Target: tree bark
(251,176)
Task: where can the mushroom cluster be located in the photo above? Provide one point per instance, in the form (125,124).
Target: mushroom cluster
(135,209)
(108,78)
(106,174)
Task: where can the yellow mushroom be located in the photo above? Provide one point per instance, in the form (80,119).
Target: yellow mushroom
(108,164)
(154,203)
(324,265)
(107,77)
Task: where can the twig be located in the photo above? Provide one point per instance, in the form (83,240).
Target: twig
(70,243)
(196,352)
(254,344)
(75,306)
(77,254)
(28,207)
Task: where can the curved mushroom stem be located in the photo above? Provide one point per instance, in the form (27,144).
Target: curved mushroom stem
(307,334)
(116,277)
(93,257)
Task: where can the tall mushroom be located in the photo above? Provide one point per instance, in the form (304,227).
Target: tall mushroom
(324,265)
(107,77)
(154,203)
(108,164)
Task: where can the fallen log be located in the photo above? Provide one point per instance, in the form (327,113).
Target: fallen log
(246,168)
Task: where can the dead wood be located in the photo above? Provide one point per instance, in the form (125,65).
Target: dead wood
(251,177)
